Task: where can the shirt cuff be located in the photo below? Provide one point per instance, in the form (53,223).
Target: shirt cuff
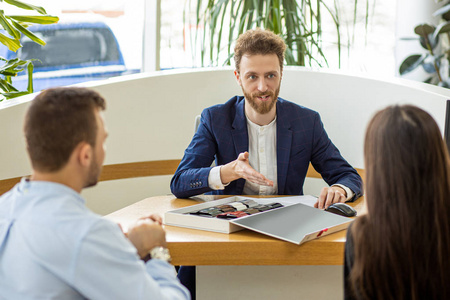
(214,180)
(349,192)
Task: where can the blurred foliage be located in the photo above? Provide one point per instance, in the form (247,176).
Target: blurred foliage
(14,27)
(436,40)
(218,23)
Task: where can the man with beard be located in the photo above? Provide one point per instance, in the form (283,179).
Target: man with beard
(262,144)
(51,245)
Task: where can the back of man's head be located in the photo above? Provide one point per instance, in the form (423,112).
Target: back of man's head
(259,41)
(57,121)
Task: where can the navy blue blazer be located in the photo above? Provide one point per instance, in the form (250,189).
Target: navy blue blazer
(301,139)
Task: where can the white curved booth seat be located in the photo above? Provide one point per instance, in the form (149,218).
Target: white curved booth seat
(150,117)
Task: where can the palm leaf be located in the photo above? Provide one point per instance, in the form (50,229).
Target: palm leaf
(26,6)
(12,95)
(47,19)
(6,86)
(17,25)
(8,27)
(299,22)
(28,33)
(12,44)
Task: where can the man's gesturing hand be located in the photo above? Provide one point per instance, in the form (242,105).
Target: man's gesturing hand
(146,235)
(240,168)
(330,195)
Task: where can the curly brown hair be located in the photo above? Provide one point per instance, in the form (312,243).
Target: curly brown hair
(259,41)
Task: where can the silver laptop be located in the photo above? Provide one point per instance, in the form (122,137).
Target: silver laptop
(297,223)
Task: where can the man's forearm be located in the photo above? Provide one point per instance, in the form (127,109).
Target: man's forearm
(190,182)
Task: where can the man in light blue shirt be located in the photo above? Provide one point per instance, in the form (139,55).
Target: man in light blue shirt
(51,245)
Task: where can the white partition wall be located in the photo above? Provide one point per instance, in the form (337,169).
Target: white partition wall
(151,117)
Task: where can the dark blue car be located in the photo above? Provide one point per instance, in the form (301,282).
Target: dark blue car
(76,51)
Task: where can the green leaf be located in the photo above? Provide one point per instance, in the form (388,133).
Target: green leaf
(411,63)
(9,73)
(444,9)
(442,28)
(424,30)
(23,5)
(430,42)
(12,67)
(276,17)
(6,86)
(10,87)
(8,27)
(12,44)
(30,69)
(16,25)
(12,63)
(446,16)
(47,19)
(28,33)
(299,22)
(12,95)
(429,68)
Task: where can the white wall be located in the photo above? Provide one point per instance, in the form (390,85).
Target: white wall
(151,117)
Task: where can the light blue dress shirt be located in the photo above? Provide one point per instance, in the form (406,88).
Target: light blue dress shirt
(53,247)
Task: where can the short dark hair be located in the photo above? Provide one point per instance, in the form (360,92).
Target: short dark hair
(57,120)
(259,41)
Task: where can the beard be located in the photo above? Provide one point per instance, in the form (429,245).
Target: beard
(262,107)
(94,172)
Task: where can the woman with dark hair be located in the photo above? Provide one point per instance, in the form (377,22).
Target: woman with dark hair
(400,249)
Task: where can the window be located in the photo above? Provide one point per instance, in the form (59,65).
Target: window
(72,47)
(93,40)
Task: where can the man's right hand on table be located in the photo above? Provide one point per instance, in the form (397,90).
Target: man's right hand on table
(146,235)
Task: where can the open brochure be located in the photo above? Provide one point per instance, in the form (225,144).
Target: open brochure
(293,219)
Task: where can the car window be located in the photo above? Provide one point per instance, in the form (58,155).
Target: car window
(69,47)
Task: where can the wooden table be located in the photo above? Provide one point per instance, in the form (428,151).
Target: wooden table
(242,248)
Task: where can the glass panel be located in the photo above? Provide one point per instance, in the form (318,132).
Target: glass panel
(72,47)
(93,40)
(180,47)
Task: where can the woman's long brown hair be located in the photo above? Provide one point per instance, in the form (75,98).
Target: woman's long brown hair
(402,246)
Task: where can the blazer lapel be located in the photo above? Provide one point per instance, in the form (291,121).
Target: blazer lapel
(284,140)
(240,137)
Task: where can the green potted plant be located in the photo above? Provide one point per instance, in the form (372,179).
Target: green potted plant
(299,22)
(14,27)
(435,40)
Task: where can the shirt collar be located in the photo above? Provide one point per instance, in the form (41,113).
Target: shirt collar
(27,186)
(256,126)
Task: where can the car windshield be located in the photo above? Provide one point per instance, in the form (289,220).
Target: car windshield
(68,47)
